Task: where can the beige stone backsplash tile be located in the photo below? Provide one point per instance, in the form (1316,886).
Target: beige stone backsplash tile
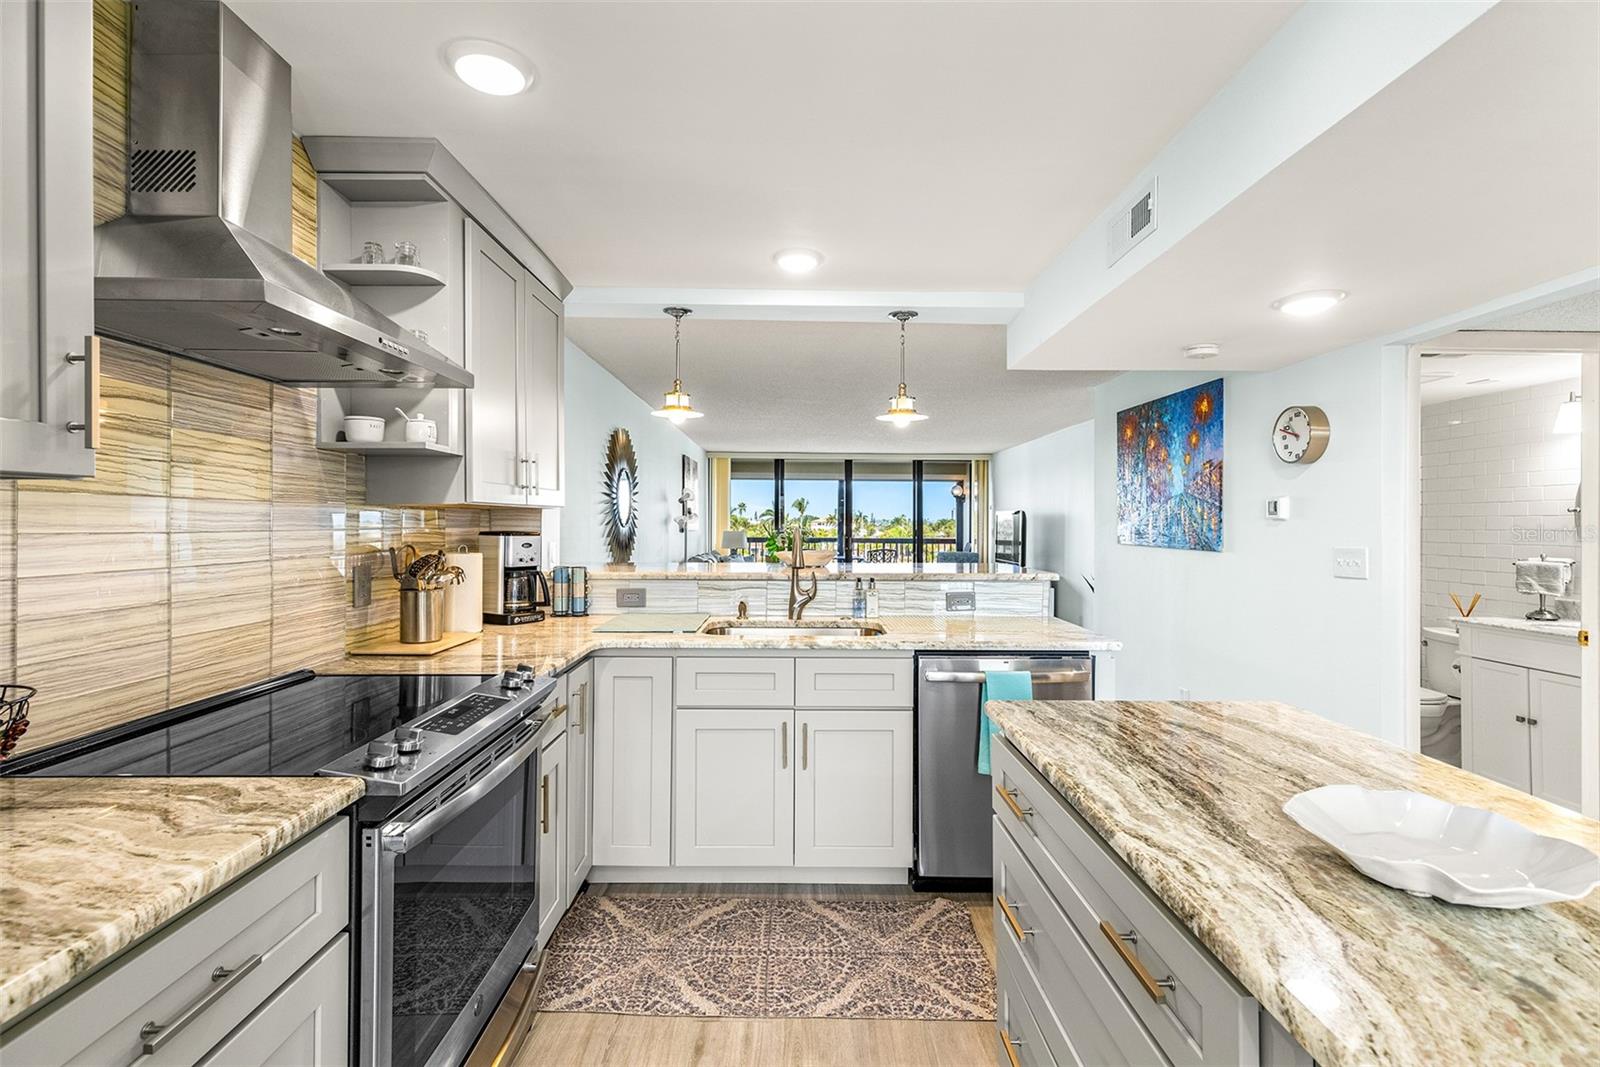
(221,659)
(220,401)
(214,548)
(42,555)
(76,513)
(98,635)
(220,466)
(87,594)
(218,598)
(221,516)
(86,702)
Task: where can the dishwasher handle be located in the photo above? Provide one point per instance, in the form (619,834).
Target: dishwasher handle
(1038,677)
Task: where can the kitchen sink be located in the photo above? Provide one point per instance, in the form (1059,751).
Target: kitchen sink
(820,628)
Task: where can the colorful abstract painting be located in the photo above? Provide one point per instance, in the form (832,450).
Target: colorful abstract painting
(1169,471)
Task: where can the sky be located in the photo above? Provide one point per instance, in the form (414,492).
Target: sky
(884,499)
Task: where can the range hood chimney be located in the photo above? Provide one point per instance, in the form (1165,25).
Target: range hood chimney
(200,266)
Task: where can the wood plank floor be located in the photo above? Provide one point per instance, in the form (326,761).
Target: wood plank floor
(575,1039)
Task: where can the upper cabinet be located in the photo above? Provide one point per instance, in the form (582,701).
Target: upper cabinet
(49,358)
(482,295)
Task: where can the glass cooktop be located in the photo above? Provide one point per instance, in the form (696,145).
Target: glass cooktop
(293,730)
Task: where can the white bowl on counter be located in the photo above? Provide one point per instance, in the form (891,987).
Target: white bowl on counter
(363,428)
(1430,847)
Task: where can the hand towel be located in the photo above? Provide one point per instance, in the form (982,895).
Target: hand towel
(998,685)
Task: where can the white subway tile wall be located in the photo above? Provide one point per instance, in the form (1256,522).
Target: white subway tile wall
(1496,486)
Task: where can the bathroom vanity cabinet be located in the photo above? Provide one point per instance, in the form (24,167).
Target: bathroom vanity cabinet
(1520,710)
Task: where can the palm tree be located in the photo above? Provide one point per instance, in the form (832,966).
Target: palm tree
(800,504)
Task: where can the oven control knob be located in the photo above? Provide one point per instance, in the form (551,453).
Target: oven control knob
(525,671)
(408,739)
(512,680)
(382,755)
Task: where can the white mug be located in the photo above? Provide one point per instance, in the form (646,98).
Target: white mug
(422,430)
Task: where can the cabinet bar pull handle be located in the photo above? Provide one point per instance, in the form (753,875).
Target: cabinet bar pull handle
(1522,718)
(1011,1044)
(783,743)
(544,804)
(1010,797)
(583,707)
(1011,918)
(805,745)
(156,1035)
(90,358)
(1532,721)
(1155,987)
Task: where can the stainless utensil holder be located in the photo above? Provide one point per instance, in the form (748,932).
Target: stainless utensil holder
(421,616)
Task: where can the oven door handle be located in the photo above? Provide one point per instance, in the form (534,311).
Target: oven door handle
(1039,677)
(401,837)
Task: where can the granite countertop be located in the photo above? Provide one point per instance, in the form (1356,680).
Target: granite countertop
(558,643)
(883,572)
(88,866)
(1567,628)
(1190,796)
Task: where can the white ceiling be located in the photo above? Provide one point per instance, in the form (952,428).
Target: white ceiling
(923,146)
(1453,375)
(815,386)
(1474,175)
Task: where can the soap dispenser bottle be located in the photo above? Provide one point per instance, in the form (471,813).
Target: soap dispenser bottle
(858,602)
(872,598)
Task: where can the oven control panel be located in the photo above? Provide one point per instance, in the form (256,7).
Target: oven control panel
(463,714)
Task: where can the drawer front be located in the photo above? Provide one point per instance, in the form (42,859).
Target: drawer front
(1197,1012)
(206,971)
(735,682)
(841,682)
(1021,1039)
(1084,1018)
(1555,654)
(306,1023)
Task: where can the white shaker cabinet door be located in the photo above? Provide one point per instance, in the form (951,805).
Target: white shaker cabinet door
(552,855)
(1553,726)
(542,428)
(1496,730)
(580,776)
(496,286)
(306,1023)
(633,761)
(733,776)
(853,792)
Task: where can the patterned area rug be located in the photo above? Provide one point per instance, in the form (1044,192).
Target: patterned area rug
(769,957)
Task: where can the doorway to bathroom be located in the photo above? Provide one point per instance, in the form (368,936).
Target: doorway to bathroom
(1503,602)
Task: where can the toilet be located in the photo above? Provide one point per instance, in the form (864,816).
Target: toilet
(1439,696)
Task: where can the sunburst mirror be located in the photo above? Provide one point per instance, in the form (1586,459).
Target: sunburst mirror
(621,492)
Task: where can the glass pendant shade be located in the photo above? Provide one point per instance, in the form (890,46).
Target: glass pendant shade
(675,406)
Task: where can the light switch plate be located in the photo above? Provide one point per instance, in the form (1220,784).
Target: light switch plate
(1278,508)
(1350,563)
(630,598)
(960,602)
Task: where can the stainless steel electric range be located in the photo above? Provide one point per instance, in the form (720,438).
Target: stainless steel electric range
(447,834)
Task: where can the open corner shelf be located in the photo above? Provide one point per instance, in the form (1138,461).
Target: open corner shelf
(391,448)
(382,274)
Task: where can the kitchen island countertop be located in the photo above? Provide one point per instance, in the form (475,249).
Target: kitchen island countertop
(1190,796)
(88,866)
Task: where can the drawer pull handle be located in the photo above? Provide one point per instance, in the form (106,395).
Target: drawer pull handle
(1155,987)
(1010,797)
(1011,1044)
(544,804)
(783,743)
(1011,918)
(156,1035)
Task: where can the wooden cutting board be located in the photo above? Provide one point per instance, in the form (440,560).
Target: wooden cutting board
(393,646)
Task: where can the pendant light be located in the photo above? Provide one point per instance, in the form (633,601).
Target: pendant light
(902,408)
(676,407)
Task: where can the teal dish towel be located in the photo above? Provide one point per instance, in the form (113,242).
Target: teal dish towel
(998,685)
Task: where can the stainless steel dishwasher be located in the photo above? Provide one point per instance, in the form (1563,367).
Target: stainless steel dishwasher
(952,813)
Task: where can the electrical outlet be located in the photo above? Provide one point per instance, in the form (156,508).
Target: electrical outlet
(1350,563)
(630,598)
(361,581)
(961,602)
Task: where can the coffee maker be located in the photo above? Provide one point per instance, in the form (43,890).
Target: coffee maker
(512,580)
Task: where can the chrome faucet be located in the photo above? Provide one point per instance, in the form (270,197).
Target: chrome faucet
(799,596)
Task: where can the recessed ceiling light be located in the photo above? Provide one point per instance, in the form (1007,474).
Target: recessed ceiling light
(798,260)
(1315,302)
(1202,351)
(491,68)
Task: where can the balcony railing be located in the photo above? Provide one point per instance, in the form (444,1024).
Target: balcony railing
(889,549)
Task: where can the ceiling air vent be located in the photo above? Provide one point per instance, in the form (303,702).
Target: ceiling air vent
(1135,222)
(161,170)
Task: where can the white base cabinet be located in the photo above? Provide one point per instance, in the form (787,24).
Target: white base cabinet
(579,828)
(633,761)
(552,860)
(1521,727)
(306,1023)
(852,804)
(733,800)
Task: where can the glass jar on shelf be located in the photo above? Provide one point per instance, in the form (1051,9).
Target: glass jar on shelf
(405,254)
(371,252)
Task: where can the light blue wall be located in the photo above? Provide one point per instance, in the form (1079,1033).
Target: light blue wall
(597,403)
(1052,479)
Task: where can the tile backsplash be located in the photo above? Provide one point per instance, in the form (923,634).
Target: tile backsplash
(210,549)
(1496,486)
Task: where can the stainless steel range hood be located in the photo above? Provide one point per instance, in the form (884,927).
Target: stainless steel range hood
(200,265)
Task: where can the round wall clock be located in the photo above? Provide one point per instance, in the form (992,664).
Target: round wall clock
(1300,434)
(621,491)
